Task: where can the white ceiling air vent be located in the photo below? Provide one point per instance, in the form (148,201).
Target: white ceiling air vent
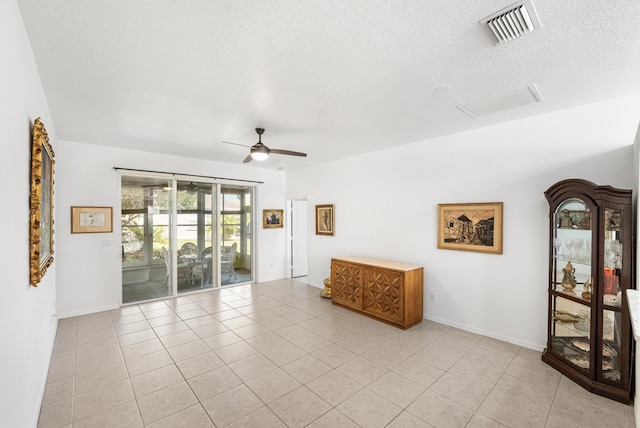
(512,22)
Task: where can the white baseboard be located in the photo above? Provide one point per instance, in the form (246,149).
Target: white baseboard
(514,341)
(88,311)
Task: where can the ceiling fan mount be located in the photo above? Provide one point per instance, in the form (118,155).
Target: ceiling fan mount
(261,152)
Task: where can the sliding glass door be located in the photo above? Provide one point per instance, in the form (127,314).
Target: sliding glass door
(180,235)
(146,226)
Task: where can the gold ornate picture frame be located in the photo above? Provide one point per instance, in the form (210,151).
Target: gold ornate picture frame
(41,203)
(325,219)
(470,227)
(91,219)
(272,219)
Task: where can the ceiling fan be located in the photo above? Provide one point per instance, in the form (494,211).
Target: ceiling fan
(190,188)
(261,152)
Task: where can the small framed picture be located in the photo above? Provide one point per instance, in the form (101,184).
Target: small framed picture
(272,219)
(324,220)
(470,227)
(91,220)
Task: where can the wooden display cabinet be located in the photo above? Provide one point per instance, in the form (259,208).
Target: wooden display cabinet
(590,268)
(388,291)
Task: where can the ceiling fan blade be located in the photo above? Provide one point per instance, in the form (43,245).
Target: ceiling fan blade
(247,159)
(235,144)
(287,152)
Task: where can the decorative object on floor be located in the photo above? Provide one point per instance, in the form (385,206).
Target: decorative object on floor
(589,336)
(272,219)
(325,219)
(388,291)
(91,219)
(470,227)
(327,288)
(41,203)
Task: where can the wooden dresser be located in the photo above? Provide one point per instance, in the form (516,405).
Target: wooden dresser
(388,291)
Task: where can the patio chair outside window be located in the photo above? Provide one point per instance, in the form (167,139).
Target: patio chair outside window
(227,261)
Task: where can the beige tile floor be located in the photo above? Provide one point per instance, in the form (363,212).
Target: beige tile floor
(278,355)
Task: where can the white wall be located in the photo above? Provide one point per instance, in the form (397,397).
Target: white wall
(27,321)
(89,268)
(636,187)
(386,207)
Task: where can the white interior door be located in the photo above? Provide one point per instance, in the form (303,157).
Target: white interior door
(298,219)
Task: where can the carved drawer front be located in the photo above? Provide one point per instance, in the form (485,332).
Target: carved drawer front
(383,294)
(346,287)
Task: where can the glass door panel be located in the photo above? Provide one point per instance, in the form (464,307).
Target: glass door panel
(571,331)
(236,227)
(572,283)
(194,228)
(145,224)
(611,350)
(572,250)
(612,296)
(612,257)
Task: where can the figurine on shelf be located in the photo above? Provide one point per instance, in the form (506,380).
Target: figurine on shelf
(585,223)
(586,294)
(569,279)
(611,281)
(565,220)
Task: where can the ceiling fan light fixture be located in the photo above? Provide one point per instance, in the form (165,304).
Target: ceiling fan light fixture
(259,156)
(259,153)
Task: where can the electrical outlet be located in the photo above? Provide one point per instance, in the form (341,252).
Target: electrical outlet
(432,297)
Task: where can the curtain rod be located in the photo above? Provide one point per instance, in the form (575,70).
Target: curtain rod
(117,168)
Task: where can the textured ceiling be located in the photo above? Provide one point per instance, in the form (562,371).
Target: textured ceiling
(332,78)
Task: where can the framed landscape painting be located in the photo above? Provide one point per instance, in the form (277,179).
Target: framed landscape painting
(470,227)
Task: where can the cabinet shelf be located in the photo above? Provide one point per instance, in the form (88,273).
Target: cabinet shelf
(574,261)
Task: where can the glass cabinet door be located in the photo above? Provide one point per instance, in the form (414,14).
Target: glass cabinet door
(612,295)
(572,283)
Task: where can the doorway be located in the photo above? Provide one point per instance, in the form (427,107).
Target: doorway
(181,235)
(298,238)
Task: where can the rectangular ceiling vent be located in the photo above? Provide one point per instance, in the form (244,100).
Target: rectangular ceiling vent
(492,104)
(512,22)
